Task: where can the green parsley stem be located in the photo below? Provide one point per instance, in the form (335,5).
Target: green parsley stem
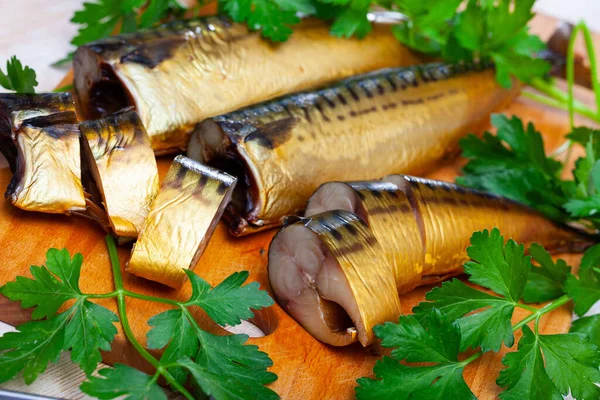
(151,298)
(561,97)
(526,307)
(472,358)
(120,291)
(553,102)
(589,44)
(539,312)
(102,296)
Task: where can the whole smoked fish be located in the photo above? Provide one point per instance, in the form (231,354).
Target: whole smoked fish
(400,120)
(415,231)
(184,72)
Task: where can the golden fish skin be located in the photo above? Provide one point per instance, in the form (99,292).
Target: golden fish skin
(182,73)
(15,108)
(401,120)
(122,163)
(448,215)
(181,221)
(48,166)
(390,216)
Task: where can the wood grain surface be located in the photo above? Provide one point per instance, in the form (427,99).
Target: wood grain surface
(307,369)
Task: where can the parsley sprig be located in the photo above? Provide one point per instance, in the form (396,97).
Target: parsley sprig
(513,163)
(18,78)
(456,30)
(219,366)
(101,18)
(459,323)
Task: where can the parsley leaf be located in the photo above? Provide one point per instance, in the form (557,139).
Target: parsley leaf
(173,328)
(237,365)
(90,329)
(546,281)
(221,366)
(84,328)
(32,347)
(572,363)
(513,164)
(487,328)
(265,15)
(123,380)
(496,266)
(504,269)
(589,326)
(525,376)
(495,30)
(217,363)
(585,291)
(17,78)
(352,22)
(436,341)
(45,291)
(229,302)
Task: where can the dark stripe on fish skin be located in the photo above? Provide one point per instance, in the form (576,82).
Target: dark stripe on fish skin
(376,193)
(307,115)
(353,248)
(367,91)
(155,53)
(352,93)
(329,102)
(351,229)
(222,188)
(342,98)
(274,134)
(336,235)
(435,96)
(411,102)
(362,112)
(287,110)
(389,106)
(64,118)
(320,110)
(203,181)
(341,118)
(179,177)
(392,83)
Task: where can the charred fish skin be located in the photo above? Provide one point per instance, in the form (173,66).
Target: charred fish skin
(124,168)
(401,120)
(16,108)
(180,222)
(182,73)
(48,165)
(370,291)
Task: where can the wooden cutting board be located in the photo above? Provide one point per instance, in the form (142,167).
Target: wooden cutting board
(307,369)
